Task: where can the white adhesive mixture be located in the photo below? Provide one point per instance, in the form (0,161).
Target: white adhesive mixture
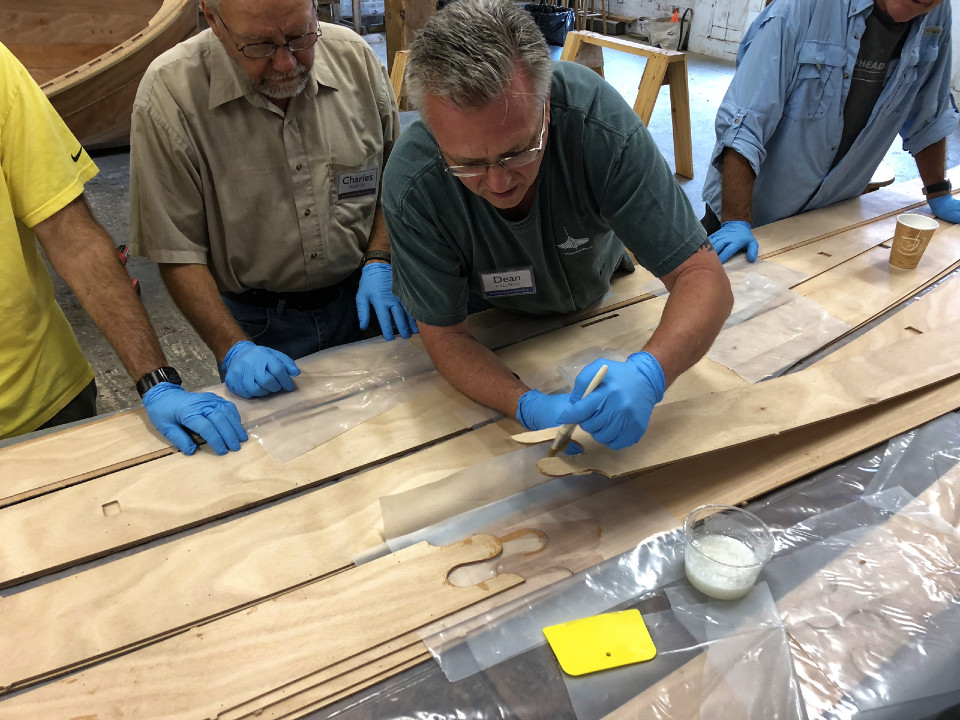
(721,567)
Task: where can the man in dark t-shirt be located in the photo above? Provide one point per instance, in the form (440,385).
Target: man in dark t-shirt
(521,186)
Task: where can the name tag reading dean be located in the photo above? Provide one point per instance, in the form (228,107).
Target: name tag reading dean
(512,281)
(357,183)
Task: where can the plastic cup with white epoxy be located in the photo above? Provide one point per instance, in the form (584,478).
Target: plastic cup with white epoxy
(724,550)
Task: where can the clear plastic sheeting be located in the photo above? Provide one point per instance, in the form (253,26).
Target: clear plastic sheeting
(489,639)
(736,271)
(726,660)
(875,616)
(342,388)
(562,376)
(475,516)
(771,328)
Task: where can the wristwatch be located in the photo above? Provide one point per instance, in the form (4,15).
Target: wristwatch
(151,379)
(377,255)
(938,187)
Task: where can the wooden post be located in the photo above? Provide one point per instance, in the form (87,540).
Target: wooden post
(402,19)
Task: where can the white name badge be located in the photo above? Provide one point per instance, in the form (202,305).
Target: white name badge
(512,281)
(357,183)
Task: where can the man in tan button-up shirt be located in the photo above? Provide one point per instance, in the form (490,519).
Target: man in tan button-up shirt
(257,150)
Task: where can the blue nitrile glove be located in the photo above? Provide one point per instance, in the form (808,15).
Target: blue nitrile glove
(732,237)
(171,408)
(376,288)
(253,370)
(617,412)
(537,410)
(946,207)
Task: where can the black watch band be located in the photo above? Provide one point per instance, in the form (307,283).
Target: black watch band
(151,379)
(377,255)
(938,187)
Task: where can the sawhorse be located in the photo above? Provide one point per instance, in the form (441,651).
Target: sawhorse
(664,67)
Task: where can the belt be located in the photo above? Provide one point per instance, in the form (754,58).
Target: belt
(306,300)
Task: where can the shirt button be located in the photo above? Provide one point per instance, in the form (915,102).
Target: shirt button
(299,166)
(313,256)
(306,212)
(846,75)
(856,36)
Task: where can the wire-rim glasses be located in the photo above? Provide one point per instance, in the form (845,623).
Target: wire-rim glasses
(507,162)
(259,51)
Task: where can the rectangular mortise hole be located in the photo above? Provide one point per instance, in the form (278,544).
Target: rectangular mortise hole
(910,328)
(600,320)
(111,508)
(825,254)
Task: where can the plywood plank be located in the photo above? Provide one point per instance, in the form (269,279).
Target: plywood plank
(223,663)
(687,428)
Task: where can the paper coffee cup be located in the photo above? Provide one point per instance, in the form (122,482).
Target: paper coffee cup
(910,239)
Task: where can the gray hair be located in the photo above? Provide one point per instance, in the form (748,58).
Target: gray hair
(467,52)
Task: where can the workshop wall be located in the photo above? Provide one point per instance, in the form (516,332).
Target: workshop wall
(716,28)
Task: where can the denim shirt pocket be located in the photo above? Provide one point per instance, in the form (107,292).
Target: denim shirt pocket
(817,84)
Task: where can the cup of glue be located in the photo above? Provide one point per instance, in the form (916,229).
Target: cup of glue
(724,550)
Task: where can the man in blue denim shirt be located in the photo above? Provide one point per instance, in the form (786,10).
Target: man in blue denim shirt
(822,88)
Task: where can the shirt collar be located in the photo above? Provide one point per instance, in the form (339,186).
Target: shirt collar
(228,82)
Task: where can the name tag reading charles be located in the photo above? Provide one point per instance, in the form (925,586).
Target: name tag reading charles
(514,281)
(357,183)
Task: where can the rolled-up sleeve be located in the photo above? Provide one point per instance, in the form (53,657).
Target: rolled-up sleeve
(934,113)
(754,102)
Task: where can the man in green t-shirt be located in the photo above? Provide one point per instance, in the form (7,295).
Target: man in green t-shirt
(521,185)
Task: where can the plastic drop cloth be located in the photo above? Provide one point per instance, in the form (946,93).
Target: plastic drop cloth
(771,328)
(864,577)
(343,387)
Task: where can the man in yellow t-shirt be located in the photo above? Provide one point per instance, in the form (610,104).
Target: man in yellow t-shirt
(44,378)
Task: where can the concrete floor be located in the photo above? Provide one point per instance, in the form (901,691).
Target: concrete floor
(108,195)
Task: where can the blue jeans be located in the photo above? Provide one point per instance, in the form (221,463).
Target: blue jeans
(299,332)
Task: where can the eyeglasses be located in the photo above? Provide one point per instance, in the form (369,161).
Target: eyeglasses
(259,51)
(507,162)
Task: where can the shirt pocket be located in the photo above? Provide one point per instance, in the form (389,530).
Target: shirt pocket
(817,85)
(354,194)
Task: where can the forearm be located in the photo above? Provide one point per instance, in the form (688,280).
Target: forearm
(699,303)
(737,193)
(931,162)
(472,368)
(379,239)
(193,289)
(83,254)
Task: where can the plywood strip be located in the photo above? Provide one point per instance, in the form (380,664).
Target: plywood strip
(688,428)
(223,663)
(870,276)
(335,678)
(302,710)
